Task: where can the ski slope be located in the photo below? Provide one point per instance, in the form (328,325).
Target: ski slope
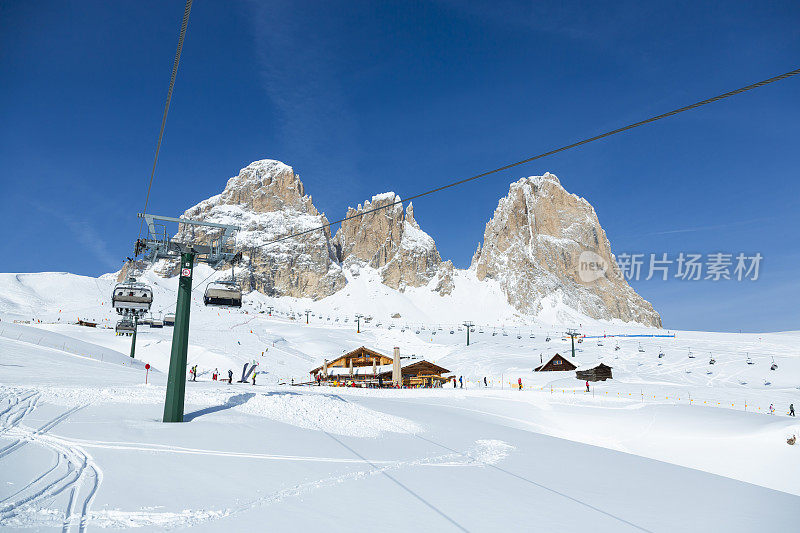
(664,446)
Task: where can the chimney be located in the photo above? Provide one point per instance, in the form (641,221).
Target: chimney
(397,375)
(325,369)
(351,366)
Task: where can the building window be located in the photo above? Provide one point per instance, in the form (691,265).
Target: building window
(556,362)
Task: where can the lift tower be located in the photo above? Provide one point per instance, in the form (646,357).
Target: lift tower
(468,324)
(214,250)
(572,332)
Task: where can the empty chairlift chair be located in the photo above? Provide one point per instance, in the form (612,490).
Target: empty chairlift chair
(124,327)
(169,319)
(223,293)
(132,297)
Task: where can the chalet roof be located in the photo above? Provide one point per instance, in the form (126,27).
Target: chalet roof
(573,363)
(381,369)
(352,353)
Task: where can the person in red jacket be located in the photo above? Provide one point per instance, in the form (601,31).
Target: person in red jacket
(519,382)
(587,386)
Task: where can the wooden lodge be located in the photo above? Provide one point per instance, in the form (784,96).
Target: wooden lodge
(599,373)
(555,364)
(364,367)
(87,323)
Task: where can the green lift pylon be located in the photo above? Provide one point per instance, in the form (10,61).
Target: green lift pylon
(133,340)
(176,382)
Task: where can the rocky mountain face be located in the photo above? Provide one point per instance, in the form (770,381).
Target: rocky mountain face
(388,240)
(532,247)
(268,201)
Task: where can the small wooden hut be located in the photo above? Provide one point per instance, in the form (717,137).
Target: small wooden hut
(555,364)
(599,373)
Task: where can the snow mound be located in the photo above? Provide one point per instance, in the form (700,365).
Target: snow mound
(324,412)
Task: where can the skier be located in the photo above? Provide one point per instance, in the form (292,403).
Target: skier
(519,382)
(485,384)
(460,382)
(194,373)
(230,376)
(454,382)
(254,377)
(216,374)
(587,385)
(771,409)
(791,409)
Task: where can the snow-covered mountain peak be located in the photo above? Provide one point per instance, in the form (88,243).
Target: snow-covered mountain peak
(532,247)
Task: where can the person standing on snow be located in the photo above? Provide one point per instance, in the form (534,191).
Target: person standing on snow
(771,409)
(460,382)
(194,373)
(454,382)
(216,374)
(587,385)
(519,382)
(791,409)
(485,384)
(254,377)
(230,376)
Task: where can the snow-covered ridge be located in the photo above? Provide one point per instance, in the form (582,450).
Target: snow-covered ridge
(268,201)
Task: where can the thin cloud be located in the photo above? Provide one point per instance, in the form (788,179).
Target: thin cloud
(85,234)
(301,77)
(714,227)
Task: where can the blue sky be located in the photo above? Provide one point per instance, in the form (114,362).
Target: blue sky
(365,97)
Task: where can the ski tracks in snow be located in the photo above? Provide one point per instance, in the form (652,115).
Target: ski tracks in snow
(73,473)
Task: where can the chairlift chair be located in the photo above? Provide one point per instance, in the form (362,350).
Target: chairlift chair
(774,365)
(749,361)
(125,327)
(169,319)
(616,348)
(225,293)
(132,297)
(505,334)
(641,348)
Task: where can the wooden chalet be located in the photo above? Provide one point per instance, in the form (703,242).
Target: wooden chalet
(599,373)
(87,323)
(364,367)
(555,364)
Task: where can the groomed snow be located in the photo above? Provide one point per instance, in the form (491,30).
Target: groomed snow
(670,444)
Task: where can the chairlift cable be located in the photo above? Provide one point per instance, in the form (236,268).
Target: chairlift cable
(518,163)
(549,153)
(175,63)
